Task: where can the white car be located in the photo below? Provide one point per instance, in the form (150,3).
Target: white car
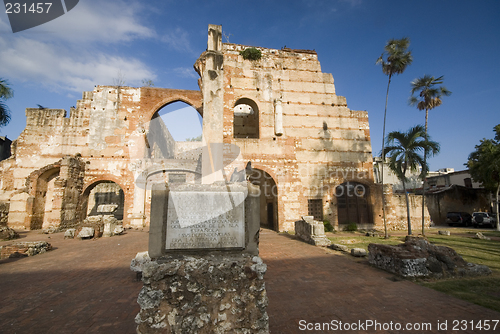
(482,218)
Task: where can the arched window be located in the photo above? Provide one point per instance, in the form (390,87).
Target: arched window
(246,119)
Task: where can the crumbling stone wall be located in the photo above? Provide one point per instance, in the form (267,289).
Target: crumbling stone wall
(419,258)
(71,178)
(4,213)
(21,249)
(199,294)
(396,213)
(311,231)
(50,196)
(109,128)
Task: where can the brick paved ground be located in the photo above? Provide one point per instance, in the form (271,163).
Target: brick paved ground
(317,285)
(87,287)
(79,287)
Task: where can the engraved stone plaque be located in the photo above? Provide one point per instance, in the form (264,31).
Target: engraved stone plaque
(205,220)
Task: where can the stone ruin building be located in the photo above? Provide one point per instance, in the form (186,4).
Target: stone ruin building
(310,154)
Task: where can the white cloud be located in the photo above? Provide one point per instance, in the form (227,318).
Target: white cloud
(30,60)
(72,52)
(178,40)
(101,21)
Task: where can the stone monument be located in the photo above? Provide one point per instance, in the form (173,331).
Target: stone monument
(205,275)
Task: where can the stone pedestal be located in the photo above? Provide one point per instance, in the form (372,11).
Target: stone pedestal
(203,294)
(205,275)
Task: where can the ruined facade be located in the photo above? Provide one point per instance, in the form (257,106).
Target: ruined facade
(309,152)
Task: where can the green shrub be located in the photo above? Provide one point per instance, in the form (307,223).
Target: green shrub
(251,54)
(351,227)
(328,226)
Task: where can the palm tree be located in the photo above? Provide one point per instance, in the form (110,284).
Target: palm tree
(404,151)
(429,98)
(5,93)
(397,59)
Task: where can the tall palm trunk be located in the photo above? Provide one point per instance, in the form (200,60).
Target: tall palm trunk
(498,217)
(424,173)
(407,200)
(383,158)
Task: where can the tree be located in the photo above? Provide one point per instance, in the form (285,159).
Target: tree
(429,98)
(404,150)
(5,93)
(147,83)
(119,80)
(484,165)
(398,57)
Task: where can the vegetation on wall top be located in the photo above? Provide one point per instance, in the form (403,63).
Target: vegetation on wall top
(251,54)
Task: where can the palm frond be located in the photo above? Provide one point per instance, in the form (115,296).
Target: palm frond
(406,150)
(398,57)
(430,94)
(5,91)
(4,114)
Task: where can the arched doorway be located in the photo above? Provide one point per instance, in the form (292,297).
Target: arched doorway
(174,146)
(268,198)
(353,203)
(104,198)
(46,206)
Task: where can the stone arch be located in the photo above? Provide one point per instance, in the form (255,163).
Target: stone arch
(246,119)
(168,96)
(31,180)
(162,140)
(354,204)
(104,195)
(54,192)
(269,200)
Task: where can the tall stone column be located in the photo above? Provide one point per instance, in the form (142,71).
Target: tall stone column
(210,68)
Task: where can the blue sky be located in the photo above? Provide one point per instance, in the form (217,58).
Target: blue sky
(54,63)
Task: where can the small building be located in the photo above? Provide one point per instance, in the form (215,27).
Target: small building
(413,182)
(447,177)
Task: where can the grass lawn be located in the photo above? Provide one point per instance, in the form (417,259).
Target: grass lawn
(359,240)
(484,291)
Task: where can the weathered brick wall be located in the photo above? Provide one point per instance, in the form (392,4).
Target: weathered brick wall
(396,213)
(323,144)
(109,128)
